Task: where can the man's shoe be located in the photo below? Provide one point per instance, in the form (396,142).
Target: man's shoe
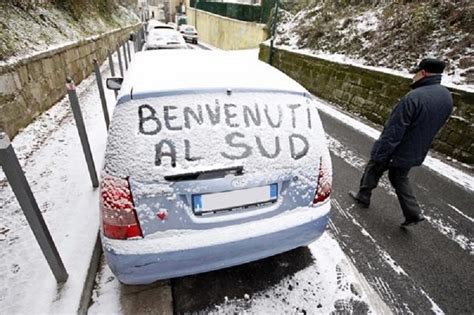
(363,204)
(413,220)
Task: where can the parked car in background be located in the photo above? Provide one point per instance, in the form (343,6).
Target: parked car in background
(154,24)
(189,33)
(164,39)
(211,161)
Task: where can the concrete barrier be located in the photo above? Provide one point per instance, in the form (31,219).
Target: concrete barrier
(226,33)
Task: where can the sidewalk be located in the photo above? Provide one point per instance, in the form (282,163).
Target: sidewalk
(51,156)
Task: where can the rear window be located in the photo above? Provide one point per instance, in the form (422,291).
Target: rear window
(163,27)
(155,137)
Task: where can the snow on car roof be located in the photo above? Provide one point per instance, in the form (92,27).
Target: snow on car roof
(162,72)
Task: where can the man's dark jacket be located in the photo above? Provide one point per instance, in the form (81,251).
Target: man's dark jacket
(414,122)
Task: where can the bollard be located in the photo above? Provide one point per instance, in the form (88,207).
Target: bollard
(141,39)
(128,50)
(125,56)
(98,77)
(112,69)
(29,206)
(81,129)
(120,61)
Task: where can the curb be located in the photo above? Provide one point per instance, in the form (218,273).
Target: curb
(86,294)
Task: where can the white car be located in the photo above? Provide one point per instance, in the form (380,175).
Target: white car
(154,24)
(164,39)
(212,160)
(189,33)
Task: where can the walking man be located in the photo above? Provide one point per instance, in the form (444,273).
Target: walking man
(407,137)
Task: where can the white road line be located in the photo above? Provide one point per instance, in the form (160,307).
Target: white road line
(461,213)
(387,258)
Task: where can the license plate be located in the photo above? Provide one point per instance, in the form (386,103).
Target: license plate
(235,198)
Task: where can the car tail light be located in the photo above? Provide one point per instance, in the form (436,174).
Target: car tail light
(119,219)
(323,189)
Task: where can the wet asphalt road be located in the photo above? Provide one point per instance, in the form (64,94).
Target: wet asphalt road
(407,267)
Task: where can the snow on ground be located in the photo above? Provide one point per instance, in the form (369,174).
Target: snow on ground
(330,283)
(50,153)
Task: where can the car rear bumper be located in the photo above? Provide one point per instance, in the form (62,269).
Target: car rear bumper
(179,253)
(190,37)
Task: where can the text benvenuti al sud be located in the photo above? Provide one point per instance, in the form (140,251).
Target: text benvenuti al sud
(154,119)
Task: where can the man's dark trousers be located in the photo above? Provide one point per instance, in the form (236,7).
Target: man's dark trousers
(398,178)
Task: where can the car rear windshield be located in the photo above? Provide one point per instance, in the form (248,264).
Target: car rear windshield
(261,132)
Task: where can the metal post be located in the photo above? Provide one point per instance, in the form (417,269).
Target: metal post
(195,14)
(112,69)
(139,40)
(21,189)
(135,43)
(275,18)
(98,77)
(120,61)
(128,50)
(125,56)
(81,129)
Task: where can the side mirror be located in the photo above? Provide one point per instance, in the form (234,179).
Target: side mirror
(114,83)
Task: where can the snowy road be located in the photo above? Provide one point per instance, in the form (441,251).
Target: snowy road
(425,267)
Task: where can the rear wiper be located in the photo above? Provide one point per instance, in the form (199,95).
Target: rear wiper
(214,173)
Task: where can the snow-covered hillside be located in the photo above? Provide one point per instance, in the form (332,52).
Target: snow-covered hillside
(26,28)
(389,34)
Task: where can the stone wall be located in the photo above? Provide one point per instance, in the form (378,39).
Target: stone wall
(373,94)
(32,85)
(225,33)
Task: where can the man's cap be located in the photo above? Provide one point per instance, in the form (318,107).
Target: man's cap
(430,65)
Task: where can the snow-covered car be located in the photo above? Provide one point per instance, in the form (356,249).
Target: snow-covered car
(164,39)
(154,24)
(189,33)
(212,160)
